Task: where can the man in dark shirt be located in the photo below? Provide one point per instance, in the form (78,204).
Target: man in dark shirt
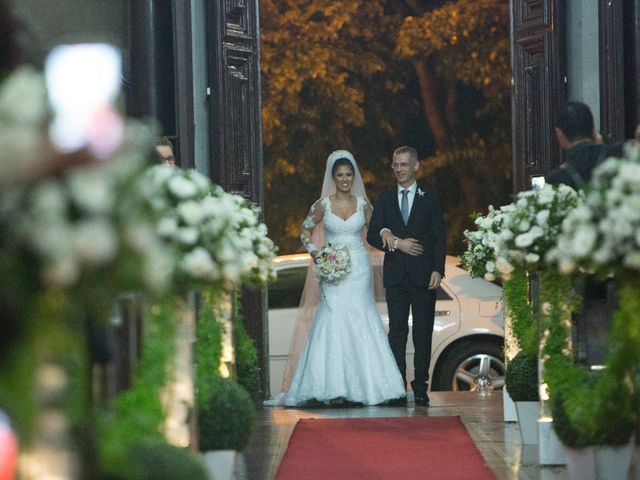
(577,135)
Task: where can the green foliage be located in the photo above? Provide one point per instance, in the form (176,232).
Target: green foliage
(225,419)
(137,413)
(598,408)
(208,347)
(523,326)
(161,461)
(521,378)
(247,368)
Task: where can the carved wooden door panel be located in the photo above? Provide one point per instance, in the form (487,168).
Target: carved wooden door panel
(538,86)
(235,125)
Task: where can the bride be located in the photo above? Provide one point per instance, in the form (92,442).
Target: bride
(346,355)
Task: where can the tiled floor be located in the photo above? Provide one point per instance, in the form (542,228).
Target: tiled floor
(499,442)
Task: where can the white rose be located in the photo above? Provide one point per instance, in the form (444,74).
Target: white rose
(524,240)
(181,187)
(167,227)
(490,266)
(542,217)
(211,206)
(532,257)
(583,240)
(23,97)
(190,212)
(199,264)
(524,226)
(90,190)
(94,242)
(187,235)
(504,266)
(49,199)
(489,277)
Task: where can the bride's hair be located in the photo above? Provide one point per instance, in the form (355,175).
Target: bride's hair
(343,161)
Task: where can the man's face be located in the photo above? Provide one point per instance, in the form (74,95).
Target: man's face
(404,169)
(166,154)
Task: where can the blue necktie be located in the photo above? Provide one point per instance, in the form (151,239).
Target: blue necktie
(404,206)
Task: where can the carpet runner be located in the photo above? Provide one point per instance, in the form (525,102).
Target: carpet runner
(437,448)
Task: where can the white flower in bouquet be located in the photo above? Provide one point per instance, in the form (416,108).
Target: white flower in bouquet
(602,234)
(333,263)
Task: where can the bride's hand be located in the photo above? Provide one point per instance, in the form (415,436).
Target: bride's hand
(388,240)
(410,246)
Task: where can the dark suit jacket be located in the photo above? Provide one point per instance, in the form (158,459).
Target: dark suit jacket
(425,224)
(581,160)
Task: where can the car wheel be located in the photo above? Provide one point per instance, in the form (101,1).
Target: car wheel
(470,366)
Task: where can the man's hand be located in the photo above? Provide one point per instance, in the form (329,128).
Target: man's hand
(410,246)
(435,280)
(388,240)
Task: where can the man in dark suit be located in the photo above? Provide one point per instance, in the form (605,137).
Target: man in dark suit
(407,224)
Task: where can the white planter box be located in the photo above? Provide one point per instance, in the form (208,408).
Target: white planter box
(528,413)
(551,450)
(509,412)
(600,463)
(221,464)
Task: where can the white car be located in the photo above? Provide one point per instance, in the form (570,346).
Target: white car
(468,334)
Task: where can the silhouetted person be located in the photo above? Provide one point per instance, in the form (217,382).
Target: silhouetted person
(577,135)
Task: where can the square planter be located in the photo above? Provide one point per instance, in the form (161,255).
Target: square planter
(221,464)
(551,450)
(509,413)
(600,462)
(528,413)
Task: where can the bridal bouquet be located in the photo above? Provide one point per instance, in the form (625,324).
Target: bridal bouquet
(333,263)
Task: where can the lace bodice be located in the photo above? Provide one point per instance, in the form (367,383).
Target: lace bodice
(347,231)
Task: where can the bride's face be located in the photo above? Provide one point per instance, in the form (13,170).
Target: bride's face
(343,178)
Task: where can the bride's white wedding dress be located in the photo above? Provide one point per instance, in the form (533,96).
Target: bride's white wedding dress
(347,354)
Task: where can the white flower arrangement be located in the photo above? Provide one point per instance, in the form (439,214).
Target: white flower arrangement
(91,225)
(479,258)
(531,226)
(603,233)
(217,236)
(518,235)
(333,263)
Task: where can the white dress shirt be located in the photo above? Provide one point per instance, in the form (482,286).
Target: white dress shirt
(410,196)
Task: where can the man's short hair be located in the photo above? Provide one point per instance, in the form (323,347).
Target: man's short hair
(164,142)
(413,154)
(575,120)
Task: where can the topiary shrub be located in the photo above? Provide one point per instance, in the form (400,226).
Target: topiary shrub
(161,461)
(225,419)
(521,378)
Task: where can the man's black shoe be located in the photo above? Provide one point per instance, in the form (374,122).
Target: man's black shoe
(395,402)
(421,399)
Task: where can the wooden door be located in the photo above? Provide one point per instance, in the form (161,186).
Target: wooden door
(538,86)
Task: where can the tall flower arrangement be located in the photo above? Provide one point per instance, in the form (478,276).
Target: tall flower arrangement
(530,227)
(480,258)
(216,236)
(603,234)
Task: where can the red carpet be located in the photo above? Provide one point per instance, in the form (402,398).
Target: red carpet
(437,448)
